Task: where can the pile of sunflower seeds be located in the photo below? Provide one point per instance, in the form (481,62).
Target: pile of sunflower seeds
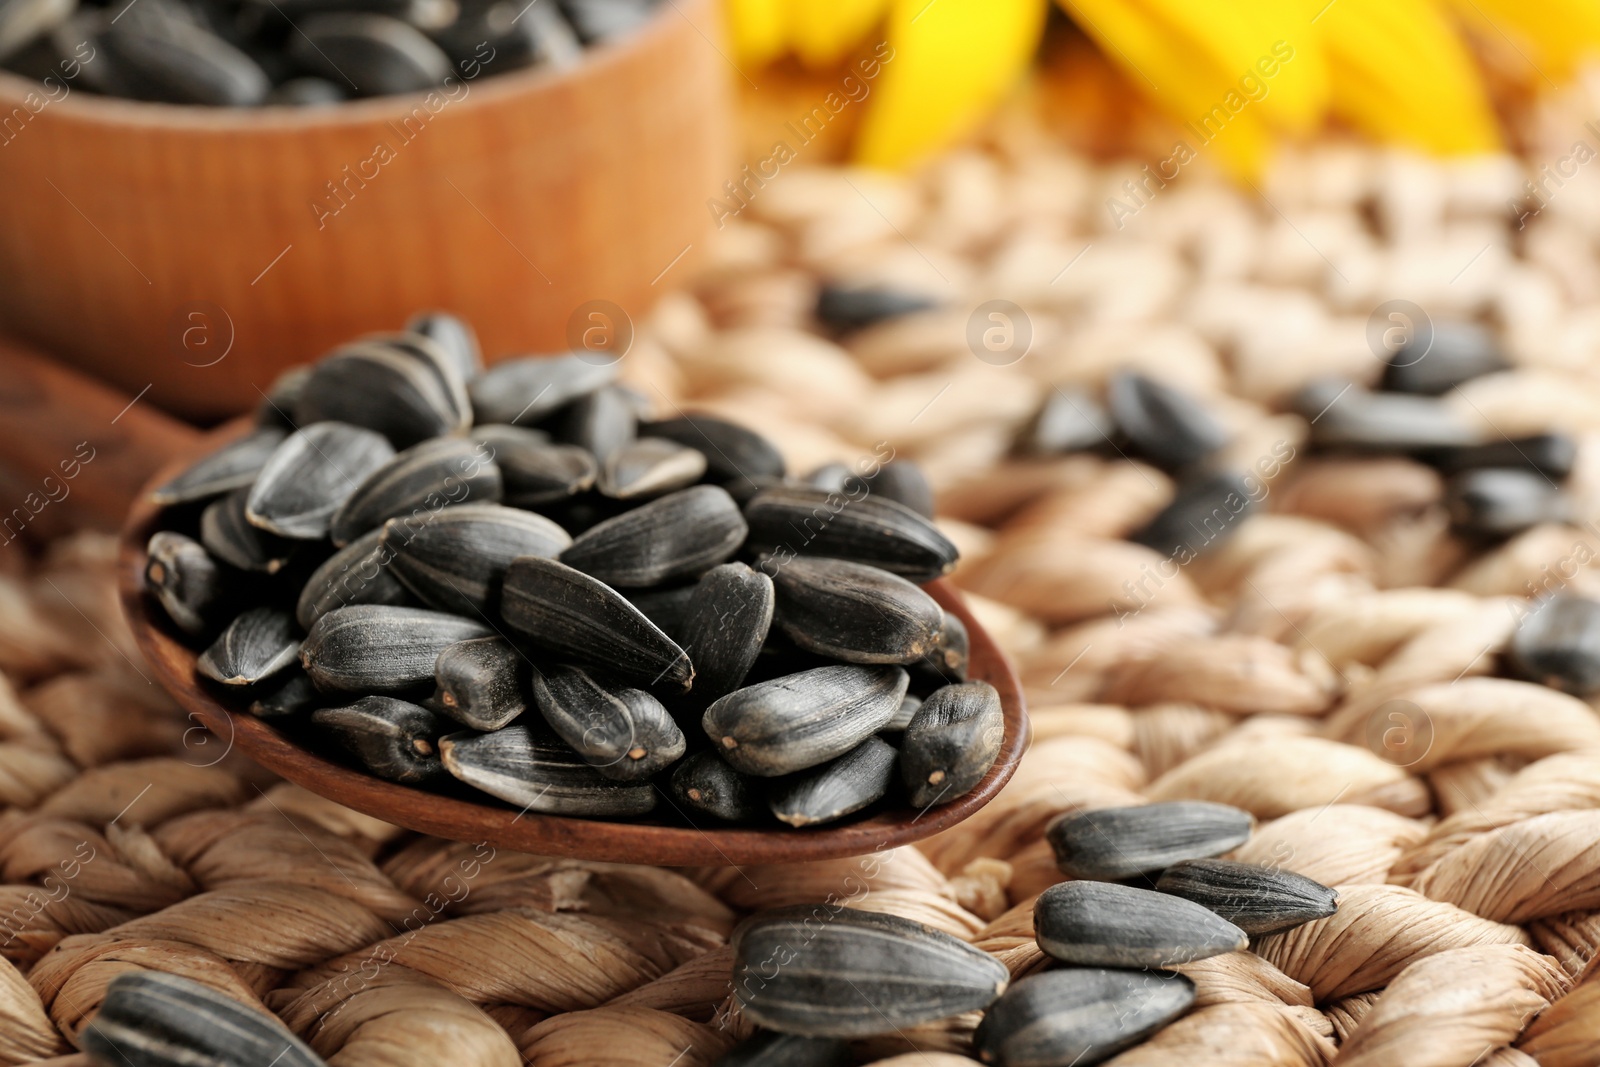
(1147,895)
(514,580)
(245,53)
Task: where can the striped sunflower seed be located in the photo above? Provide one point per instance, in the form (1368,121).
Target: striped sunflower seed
(291,695)
(899,480)
(534,472)
(801,720)
(951,742)
(256,645)
(789,521)
(526,390)
(424,478)
(455,338)
(356,574)
(725,623)
(854,612)
(480,683)
(456,559)
(1116,843)
(1256,899)
(731,450)
(1165,425)
(373,648)
(229,536)
(705,784)
(1069,420)
(381,54)
(537,772)
(153,1019)
(394,739)
(650,466)
(947,660)
(623,733)
(233,466)
(668,608)
(830,971)
(902,718)
(677,536)
(308,476)
(583,620)
(1558,645)
(1104,924)
(407,392)
(837,788)
(600,423)
(1079,1016)
(771,1049)
(186,580)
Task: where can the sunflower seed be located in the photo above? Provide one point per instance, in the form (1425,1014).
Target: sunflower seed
(379,54)
(1070,420)
(902,718)
(1346,416)
(623,733)
(802,720)
(456,559)
(282,399)
(257,644)
(948,658)
(837,788)
(480,682)
(356,574)
(539,773)
(229,536)
(1441,358)
(233,466)
(22,21)
(1079,1016)
(291,696)
(1103,924)
(534,34)
(445,367)
(770,1049)
(951,742)
(899,480)
(1115,843)
(853,612)
(1501,501)
(848,308)
(309,475)
(830,476)
(1552,454)
(668,608)
(1256,899)
(724,626)
(386,388)
(394,739)
(153,1019)
(526,390)
(1165,425)
(731,451)
(600,423)
(586,621)
(454,336)
(1205,511)
(705,784)
(174,61)
(792,520)
(677,536)
(533,471)
(650,466)
(306,92)
(1558,645)
(186,580)
(380,649)
(600,20)
(849,973)
(424,478)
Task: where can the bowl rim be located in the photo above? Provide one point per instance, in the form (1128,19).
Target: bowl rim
(487,89)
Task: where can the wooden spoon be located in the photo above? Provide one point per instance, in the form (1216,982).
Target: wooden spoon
(48,410)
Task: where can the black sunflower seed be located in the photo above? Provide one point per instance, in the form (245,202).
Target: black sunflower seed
(724,625)
(533,471)
(1552,454)
(1165,425)
(191,587)
(853,612)
(668,608)
(600,423)
(706,785)
(387,388)
(456,559)
(771,1049)
(674,537)
(310,474)
(837,788)
(1079,1015)
(229,536)
(538,773)
(481,682)
(454,336)
(801,720)
(289,695)
(281,401)
(356,574)
(951,742)
(254,646)
(902,718)
(1345,416)
(376,54)
(1204,512)
(307,92)
(1103,924)
(153,1019)
(1559,645)
(1114,843)
(731,451)
(790,521)
(526,390)
(949,658)
(392,738)
(1256,899)
(650,466)
(846,308)
(233,466)
(175,61)
(422,479)
(623,733)
(1442,357)
(1502,501)
(380,649)
(1069,420)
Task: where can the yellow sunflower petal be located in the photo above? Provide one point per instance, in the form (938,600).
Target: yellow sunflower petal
(758,30)
(824,31)
(1550,37)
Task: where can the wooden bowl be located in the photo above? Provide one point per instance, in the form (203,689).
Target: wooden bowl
(676,842)
(198,251)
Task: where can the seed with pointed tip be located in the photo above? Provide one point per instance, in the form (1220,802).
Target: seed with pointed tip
(583,620)
(1204,512)
(792,520)
(454,336)
(233,466)
(1450,353)
(480,682)
(1558,645)
(437,473)
(951,743)
(1103,924)
(731,451)
(704,783)
(725,625)
(256,645)
(1070,420)
(1114,843)
(1554,454)
(356,574)
(772,1049)
(600,423)
(902,481)
(623,733)
(154,1019)
(292,695)
(456,559)
(308,476)
(371,648)
(1256,899)
(1346,416)
(854,612)
(1079,1016)
(650,466)
(229,536)
(677,536)
(1502,501)
(802,720)
(526,390)
(856,973)
(947,660)
(185,579)
(847,308)
(282,399)
(537,772)
(1166,425)
(838,788)
(393,389)
(394,739)
(533,471)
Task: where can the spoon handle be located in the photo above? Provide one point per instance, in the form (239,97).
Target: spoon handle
(74,451)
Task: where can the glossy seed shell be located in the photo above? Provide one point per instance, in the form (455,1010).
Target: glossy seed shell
(534,472)
(1203,514)
(649,466)
(623,733)
(850,973)
(1502,501)
(437,473)
(182,575)
(1115,843)
(379,649)
(1079,1016)
(356,574)
(951,742)
(704,784)
(310,475)
(1553,454)
(229,536)
(456,559)
(388,388)
(151,1019)
(526,390)
(725,623)
(454,336)
(1103,924)
(1070,420)
(674,537)
(1348,417)
(1256,899)
(233,466)
(1558,645)
(801,720)
(854,612)
(290,695)
(1441,357)
(380,54)
(1165,425)
(795,520)
(481,683)
(539,773)
(600,423)
(856,307)
(837,788)
(254,646)
(394,739)
(731,451)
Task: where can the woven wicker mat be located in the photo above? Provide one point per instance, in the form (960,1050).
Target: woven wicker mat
(1333,666)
